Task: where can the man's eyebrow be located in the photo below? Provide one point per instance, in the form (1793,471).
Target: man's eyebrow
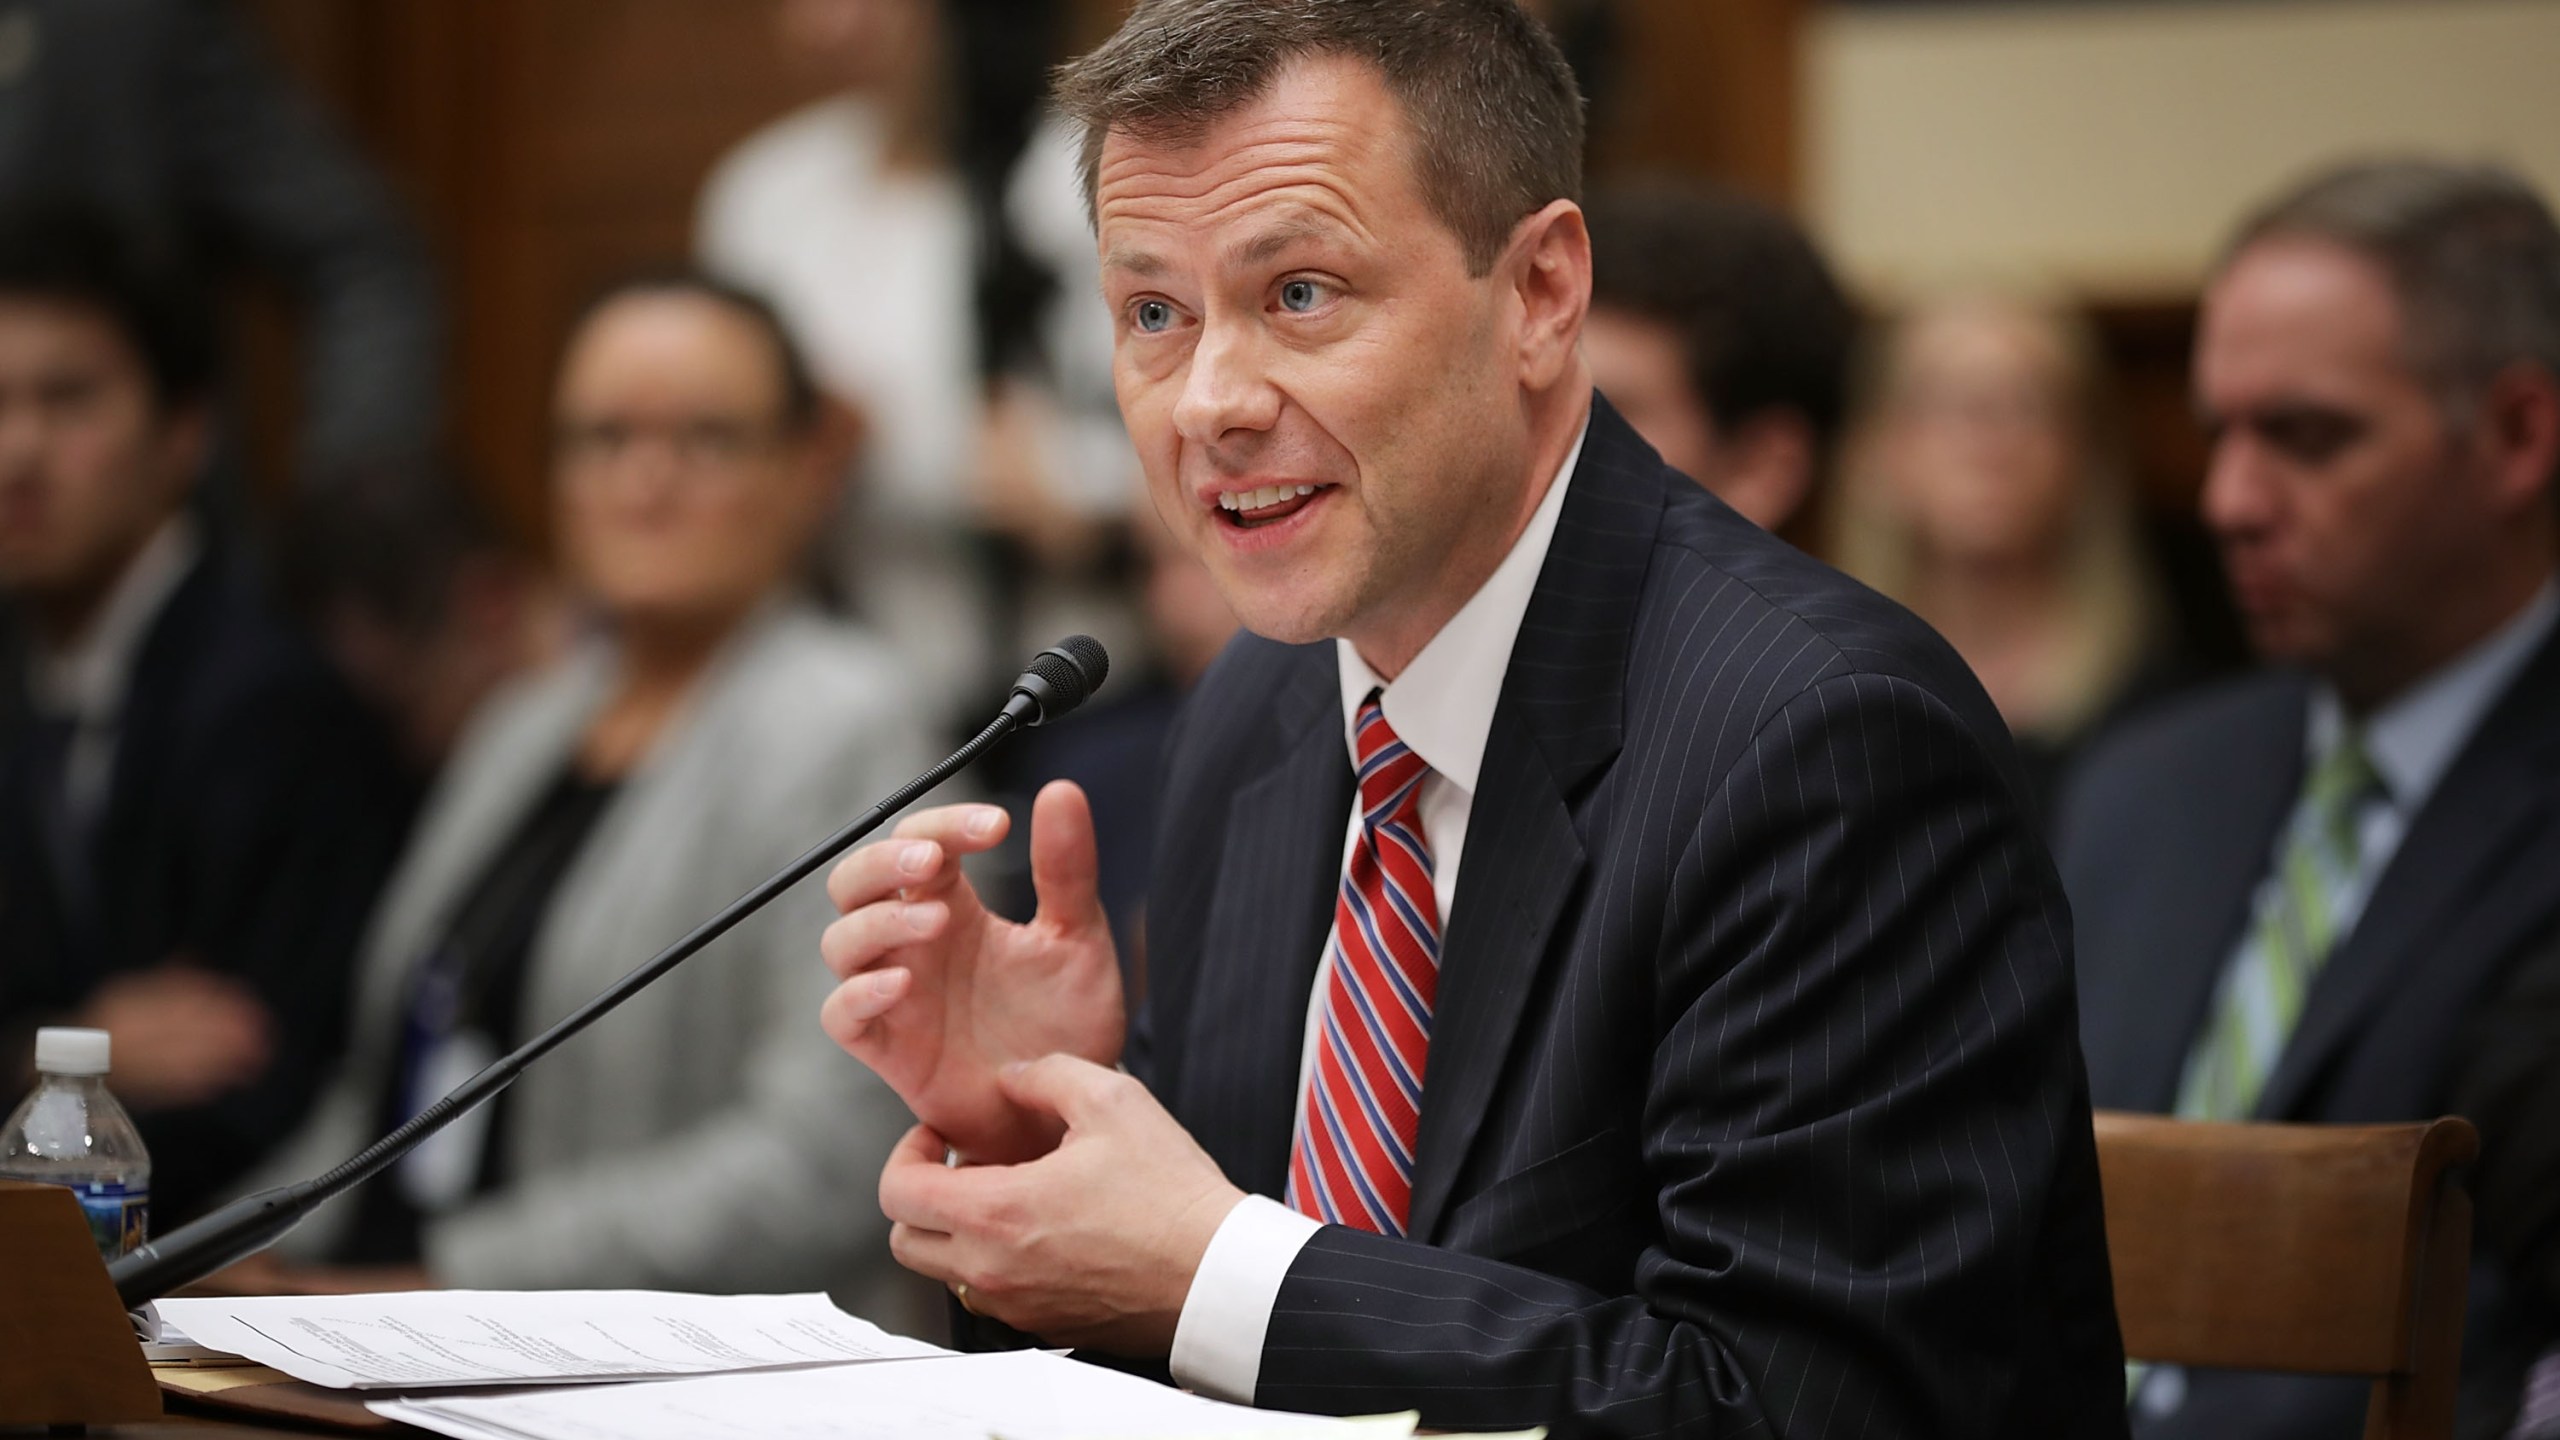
(1280,237)
(1135,262)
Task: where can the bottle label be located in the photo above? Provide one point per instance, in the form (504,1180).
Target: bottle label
(119,1214)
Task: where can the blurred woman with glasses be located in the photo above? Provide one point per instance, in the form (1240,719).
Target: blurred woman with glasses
(706,1136)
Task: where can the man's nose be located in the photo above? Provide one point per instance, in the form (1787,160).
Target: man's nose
(2240,488)
(1228,387)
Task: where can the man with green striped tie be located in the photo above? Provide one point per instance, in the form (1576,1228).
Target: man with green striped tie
(2293,893)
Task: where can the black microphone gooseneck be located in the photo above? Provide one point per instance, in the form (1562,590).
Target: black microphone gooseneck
(1057,681)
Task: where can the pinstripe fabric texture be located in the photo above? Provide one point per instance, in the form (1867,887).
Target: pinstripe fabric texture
(1754,1104)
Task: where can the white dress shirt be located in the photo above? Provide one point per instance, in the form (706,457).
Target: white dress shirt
(85,682)
(1441,707)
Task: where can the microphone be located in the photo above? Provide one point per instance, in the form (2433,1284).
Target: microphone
(1058,680)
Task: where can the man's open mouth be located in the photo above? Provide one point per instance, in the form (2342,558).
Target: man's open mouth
(1249,509)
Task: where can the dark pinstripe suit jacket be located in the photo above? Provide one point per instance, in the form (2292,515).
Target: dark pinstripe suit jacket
(1754,1104)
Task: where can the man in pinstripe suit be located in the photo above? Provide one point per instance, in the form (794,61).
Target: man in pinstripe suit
(1600,972)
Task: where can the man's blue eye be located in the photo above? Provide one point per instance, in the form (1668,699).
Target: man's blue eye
(1300,295)
(1154,317)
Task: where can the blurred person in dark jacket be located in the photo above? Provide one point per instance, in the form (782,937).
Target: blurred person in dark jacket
(1720,334)
(2316,893)
(1115,750)
(423,603)
(167,112)
(194,816)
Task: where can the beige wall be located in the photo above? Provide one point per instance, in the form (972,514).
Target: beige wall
(2105,147)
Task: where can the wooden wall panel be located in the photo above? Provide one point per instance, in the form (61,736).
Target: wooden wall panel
(546,146)
(1707,87)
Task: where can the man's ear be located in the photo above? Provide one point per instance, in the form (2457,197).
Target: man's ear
(1550,264)
(2519,428)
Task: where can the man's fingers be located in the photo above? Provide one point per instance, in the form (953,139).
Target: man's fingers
(850,1008)
(927,1252)
(921,1145)
(856,942)
(1066,865)
(1075,1090)
(887,869)
(918,1189)
(913,859)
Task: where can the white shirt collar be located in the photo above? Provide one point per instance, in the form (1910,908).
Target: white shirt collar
(2413,740)
(86,680)
(1441,706)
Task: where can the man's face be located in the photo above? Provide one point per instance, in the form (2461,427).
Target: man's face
(90,466)
(1328,406)
(2347,511)
(1641,365)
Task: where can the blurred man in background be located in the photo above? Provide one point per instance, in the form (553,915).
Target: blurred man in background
(165,111)
(2292,891)
(195,816)
(1718,331)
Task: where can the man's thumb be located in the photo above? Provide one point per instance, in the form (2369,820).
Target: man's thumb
(1065,1086)
(1066,867)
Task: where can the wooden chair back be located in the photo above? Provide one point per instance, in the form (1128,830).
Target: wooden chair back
(2315,1249)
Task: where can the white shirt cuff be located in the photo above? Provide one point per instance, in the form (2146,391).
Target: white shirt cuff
(1217,1344)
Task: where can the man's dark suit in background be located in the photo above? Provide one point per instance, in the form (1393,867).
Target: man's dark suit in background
(251,816)
(2296,892)
(1754,1097)
(2163,842)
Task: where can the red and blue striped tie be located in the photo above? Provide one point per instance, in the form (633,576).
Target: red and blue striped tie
(1353,1160)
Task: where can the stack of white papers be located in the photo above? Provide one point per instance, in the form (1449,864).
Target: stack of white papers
(1012,1395)
(430,1338)
(709,1367)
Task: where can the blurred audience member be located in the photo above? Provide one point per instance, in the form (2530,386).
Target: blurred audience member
(166,111)
(1719,334)
(706,1136)
(1114,750)
(2295,891)
(1986,491)
(194,816)
(418,598)
(924,233)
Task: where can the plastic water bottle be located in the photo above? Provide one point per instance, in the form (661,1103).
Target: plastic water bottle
(71,1132)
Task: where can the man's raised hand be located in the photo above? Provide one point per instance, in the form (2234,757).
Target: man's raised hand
(938,994)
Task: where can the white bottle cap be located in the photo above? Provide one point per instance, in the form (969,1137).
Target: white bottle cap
(63,1050)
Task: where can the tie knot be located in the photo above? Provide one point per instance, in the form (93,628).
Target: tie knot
(1390,774)
(2339,786)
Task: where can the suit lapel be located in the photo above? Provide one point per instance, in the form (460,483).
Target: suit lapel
(1557,725)
(1265,934)
(2240,806)
(2481,820)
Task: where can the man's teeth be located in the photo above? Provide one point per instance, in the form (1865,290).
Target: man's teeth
(1262,499)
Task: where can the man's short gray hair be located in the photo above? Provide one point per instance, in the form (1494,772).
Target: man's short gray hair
(2471,250)
(1494,108)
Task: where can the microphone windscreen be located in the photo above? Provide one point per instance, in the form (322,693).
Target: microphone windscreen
(1071,670)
